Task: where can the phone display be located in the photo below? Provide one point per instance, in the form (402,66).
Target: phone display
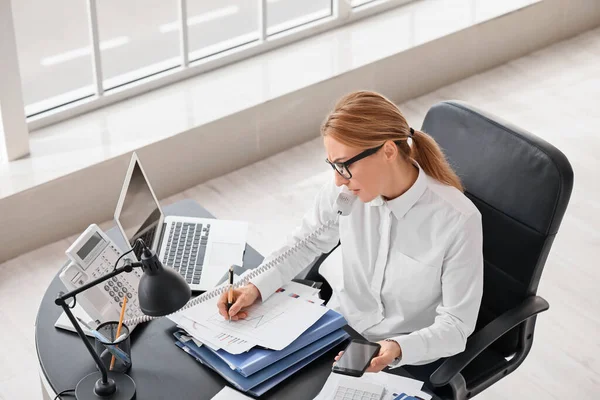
(93,254)
(356,358)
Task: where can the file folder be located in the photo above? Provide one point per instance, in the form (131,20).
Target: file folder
(258,358)
(277,379)
(270,376)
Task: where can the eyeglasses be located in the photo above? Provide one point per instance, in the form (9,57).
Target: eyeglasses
(342,167)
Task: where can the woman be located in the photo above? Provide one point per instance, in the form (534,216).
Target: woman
(412,262)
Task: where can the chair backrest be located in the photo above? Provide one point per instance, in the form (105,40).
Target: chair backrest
(521,184)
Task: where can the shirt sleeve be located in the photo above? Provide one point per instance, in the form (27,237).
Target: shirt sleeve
(462,289)
(322,212)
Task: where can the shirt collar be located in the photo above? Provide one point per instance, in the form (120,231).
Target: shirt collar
(401,204)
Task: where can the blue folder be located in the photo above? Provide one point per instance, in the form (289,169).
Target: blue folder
(258,358)
(277,379)
(270,376)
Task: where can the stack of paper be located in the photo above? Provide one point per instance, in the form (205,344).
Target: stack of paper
(229,394)
(394,387)
(279,336)
(273,324)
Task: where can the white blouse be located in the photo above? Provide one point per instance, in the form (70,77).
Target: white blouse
(412,267)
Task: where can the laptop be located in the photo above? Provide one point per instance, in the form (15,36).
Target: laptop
(200,249)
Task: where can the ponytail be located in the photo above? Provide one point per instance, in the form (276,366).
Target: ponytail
(427,153)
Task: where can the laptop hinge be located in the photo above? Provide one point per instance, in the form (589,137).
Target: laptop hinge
(160,238)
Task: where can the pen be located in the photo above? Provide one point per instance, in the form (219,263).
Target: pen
(96,333)
(230,294)
(82,322)
(111,348)
(112,360)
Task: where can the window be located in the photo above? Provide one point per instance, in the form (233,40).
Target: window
(216,26)
(53,45)
(356,3)
(136,40)
(74,53)
(287,14)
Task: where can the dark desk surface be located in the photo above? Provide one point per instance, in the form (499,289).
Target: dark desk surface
(160,370)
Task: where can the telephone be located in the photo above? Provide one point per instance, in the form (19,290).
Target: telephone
(343,205)
(92,255)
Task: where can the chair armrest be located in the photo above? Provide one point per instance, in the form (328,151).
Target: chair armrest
(482,339)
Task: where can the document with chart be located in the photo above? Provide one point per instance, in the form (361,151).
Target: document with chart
(214,339)
(273,324)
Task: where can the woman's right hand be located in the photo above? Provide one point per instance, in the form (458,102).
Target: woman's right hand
(242,297)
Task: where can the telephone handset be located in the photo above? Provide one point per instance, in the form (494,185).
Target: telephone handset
(92,255)
(343,206)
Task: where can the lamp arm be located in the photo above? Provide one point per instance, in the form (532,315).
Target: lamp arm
(87,343)
(61,300)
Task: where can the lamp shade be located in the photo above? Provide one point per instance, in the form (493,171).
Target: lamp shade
(161,290)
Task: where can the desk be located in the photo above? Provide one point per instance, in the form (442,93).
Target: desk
(160,370)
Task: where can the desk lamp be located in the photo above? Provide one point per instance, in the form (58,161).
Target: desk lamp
(161,291)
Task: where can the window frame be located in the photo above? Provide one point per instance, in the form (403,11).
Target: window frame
(342,13)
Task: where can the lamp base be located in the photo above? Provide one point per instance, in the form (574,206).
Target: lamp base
(125,387)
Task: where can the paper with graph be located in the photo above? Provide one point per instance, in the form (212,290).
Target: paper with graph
(214,339)
(273,324)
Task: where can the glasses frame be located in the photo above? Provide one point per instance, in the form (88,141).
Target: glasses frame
(343,165)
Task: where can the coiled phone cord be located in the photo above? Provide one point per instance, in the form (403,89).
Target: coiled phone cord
(251,275)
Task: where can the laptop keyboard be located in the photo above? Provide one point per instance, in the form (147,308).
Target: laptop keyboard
(186,249)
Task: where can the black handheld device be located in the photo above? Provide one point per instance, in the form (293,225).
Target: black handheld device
(356,358)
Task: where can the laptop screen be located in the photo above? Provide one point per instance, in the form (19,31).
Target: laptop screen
(140,214)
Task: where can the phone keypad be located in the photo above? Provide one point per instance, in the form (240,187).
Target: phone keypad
(120,286)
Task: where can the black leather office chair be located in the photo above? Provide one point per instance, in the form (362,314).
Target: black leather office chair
(521,184)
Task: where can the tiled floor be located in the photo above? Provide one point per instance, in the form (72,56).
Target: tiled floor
(553,93)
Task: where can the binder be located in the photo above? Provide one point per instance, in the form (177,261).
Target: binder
(258,358)
(270,376)
(277,379)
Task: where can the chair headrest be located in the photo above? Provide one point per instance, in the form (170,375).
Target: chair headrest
(511,170)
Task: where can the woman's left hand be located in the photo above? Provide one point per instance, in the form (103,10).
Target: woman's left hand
(388,352)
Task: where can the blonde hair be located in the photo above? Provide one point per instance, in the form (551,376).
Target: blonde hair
(366,119)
